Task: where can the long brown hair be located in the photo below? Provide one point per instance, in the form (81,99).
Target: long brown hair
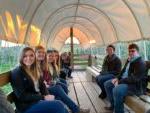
(43,65)
(33,72)
(52,66)
(57,63)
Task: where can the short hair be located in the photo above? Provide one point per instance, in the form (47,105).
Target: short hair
(55,51)
(50,51)
(133,46)
(113,47)
(39,47)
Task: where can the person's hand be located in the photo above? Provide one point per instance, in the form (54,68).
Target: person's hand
(115,81)
(49,97)
(47,86)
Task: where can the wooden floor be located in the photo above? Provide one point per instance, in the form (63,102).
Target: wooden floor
(85,93)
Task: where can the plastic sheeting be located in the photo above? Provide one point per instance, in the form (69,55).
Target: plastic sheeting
(105,21)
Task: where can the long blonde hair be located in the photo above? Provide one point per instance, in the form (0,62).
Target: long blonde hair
(33,72)
(43,65)
(57,63)
(52,66)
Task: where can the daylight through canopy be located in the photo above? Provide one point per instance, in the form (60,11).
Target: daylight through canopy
(47,22)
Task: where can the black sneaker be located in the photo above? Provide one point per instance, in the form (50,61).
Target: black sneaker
(102,96)
(70,77)
(109,108)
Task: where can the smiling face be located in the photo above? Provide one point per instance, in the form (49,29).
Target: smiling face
(132,52)
(56,55)
(40,54)
(50,57)
(110,51)
(28,58)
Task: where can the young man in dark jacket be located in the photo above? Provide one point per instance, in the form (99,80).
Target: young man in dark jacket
(131,81)
(110,68)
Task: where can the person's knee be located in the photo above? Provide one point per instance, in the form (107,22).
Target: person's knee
(107,84)
(98,79)
(60,107)
(58,87)
(119,91)
(58,104)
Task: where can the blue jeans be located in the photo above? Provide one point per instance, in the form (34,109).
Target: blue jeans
(59,93)
(47,107)
(63,84)
(103,78)
(116,95)
(63,81)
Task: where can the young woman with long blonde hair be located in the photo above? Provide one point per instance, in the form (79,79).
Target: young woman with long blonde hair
(51,58)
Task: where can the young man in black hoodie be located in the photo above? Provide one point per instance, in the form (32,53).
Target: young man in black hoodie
(110,68)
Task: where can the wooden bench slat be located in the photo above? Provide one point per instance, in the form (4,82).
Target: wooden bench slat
(145,98)
(98,103)
(136,104)
(83,98)
(4,78)
(10,97)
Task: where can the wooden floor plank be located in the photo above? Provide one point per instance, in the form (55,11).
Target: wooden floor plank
(74,74)
(97,102)
(75,77)
(72,93)
(83,98)
(83,76)
(96,87)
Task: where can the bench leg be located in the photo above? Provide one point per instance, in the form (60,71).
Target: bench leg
(93,79)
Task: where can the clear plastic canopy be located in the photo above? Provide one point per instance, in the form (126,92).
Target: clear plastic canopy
(48,22)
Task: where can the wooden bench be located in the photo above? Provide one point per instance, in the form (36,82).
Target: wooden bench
(137,104)
(4,80)
(93,71)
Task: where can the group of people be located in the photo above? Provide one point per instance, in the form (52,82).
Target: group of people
(37,85)
(40,86)
(65,64)
(117,82)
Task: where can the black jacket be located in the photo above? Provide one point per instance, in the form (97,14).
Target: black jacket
(24,90)
(137,77)
(111,65)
